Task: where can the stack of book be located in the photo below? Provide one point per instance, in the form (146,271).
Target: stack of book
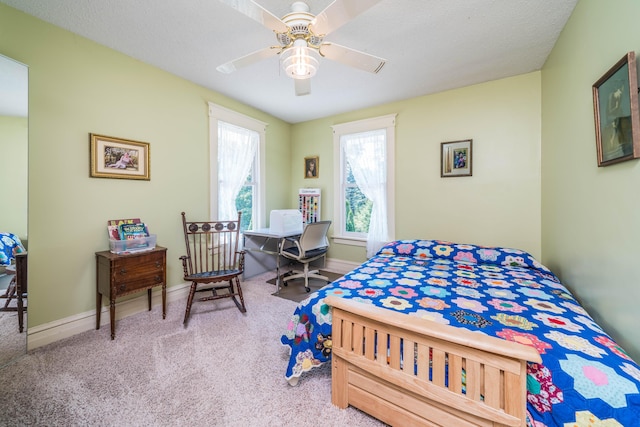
(129,235)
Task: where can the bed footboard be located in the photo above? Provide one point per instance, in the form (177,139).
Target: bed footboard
(408,371)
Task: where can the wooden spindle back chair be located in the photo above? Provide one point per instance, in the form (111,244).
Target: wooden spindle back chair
(213,262)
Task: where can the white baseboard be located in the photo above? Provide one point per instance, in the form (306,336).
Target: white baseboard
(64,328)
(340,266)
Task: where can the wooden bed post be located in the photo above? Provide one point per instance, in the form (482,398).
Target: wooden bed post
(514,390)
(339,396)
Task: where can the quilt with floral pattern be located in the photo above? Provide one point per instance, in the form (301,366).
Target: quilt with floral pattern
(585,378)
(10,245)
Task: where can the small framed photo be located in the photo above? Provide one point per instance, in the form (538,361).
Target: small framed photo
(311,167)
(456,158)
(615,107)
(118,158)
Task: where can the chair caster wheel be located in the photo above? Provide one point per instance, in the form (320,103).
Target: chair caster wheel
(307,289)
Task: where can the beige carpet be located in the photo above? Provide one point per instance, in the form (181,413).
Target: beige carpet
(225,369)
(295,291)
(12,342)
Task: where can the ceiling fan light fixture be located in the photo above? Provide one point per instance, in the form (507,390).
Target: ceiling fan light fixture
(300,36)
(300,62)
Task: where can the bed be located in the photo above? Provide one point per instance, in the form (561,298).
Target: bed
(10,245)
(505,342)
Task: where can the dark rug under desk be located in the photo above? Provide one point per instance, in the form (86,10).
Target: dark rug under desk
(295,291)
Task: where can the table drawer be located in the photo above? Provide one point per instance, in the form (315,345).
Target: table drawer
(133,268)
(126,285)
(138,272)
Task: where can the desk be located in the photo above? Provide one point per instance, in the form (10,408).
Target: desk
(262,248)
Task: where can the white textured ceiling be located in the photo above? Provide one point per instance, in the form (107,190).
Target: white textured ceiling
(429,45)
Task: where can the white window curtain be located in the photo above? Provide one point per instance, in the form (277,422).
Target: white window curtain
(237,148)
(366,153)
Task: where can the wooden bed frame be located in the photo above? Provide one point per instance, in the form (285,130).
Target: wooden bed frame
(428,390)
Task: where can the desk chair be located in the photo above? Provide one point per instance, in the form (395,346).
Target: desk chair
(310,246)
(213,260)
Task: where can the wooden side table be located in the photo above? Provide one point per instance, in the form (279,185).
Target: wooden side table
(119,275)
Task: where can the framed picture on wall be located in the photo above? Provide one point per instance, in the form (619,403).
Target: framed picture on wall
(615,106)
(118,158)
(456,158)
(311,167)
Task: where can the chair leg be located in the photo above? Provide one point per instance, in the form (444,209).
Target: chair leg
(306,277)
(305,274)
(287,274)
(192,292)
(10,293)
(240,305)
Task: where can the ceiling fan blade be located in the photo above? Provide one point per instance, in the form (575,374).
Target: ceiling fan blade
(303,86)
(337,14)
(351,57)
(249,59)
(258,13)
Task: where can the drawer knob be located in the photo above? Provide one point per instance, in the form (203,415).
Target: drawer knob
(123,271)
(123,287)
(158,264)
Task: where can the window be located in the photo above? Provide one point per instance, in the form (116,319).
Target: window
(364,185)
(237,169)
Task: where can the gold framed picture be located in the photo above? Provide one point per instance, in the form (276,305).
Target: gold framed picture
(118,158)
(311,167)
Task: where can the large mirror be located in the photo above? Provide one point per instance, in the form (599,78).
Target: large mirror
(14,140)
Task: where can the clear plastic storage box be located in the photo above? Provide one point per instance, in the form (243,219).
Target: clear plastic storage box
(285,221)
(134,245)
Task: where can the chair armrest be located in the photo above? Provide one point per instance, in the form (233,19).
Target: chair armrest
(296,242)
(291,239)
(241,260)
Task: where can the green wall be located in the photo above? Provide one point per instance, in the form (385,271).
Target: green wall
(590,236)
(77,87)
(498,205)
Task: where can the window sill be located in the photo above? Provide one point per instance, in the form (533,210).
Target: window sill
(352,241)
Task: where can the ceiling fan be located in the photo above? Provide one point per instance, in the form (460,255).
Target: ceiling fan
(300,37)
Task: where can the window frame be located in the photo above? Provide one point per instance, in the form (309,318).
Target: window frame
(218,113)
(387,122)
